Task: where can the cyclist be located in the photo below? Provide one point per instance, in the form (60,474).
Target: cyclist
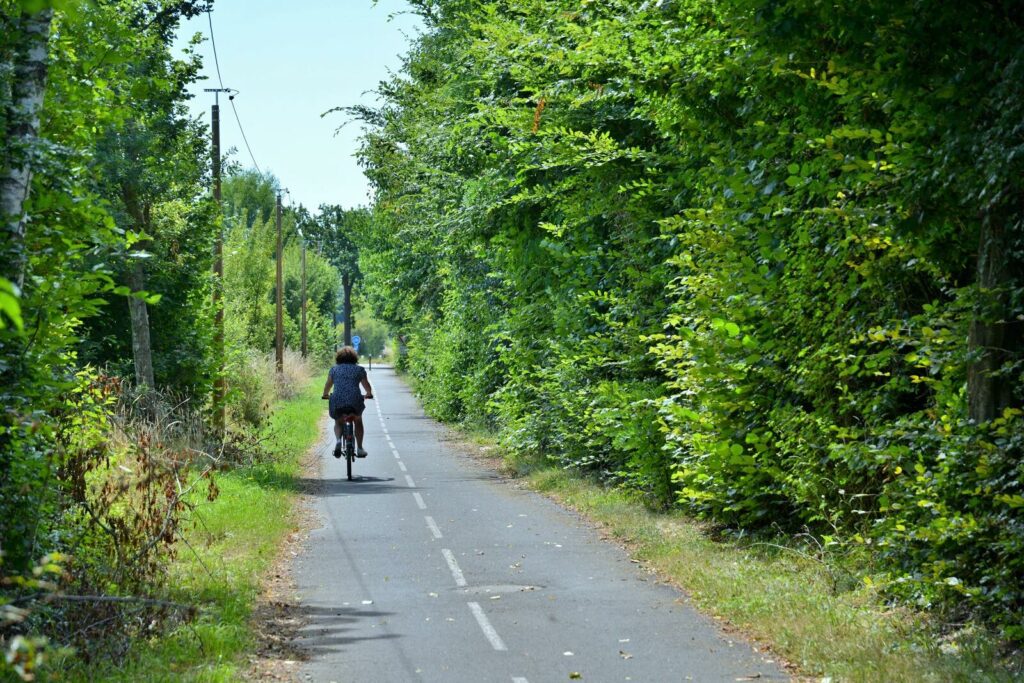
(346,400)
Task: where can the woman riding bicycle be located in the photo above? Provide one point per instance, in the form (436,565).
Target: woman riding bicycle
(347,400)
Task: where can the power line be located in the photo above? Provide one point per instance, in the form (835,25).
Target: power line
(231,98)
(242,131)
(213,42)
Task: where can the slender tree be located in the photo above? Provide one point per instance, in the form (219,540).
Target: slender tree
(24,54)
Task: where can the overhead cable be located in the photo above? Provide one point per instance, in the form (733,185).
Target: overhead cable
(231,99)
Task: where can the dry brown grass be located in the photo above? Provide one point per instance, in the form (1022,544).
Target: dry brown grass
(296,373)
(255,384)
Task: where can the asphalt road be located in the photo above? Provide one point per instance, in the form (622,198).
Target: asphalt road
(429,567)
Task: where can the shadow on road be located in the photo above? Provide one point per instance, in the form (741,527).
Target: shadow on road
(360,485)
(329,629)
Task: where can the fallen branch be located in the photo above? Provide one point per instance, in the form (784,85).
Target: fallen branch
(58,597)
(117,598)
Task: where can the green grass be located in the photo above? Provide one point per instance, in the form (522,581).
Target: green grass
(235,538)
(810,611)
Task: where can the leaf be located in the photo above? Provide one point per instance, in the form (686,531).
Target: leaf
(10,306)
(1014,501)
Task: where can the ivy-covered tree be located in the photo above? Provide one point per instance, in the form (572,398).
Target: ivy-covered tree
(26,33)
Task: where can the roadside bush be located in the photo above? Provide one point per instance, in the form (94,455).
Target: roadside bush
(250,388)
(295,374)
(254,384)
(119,500)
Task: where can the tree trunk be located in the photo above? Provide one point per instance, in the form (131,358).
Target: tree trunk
(29,84)
(142,349)
(995,336)
(304,344)
(279,296)
(347,310)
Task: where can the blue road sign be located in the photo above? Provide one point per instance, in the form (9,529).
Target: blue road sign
(355,341)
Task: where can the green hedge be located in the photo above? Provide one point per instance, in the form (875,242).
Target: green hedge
(762,260)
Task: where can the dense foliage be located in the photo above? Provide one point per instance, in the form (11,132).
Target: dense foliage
(760,259)
(91,97)
(108,357)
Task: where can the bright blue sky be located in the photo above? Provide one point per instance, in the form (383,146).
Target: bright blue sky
(292,61)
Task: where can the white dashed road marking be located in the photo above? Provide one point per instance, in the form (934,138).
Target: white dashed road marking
(434,529)
(449,557)
(486,627)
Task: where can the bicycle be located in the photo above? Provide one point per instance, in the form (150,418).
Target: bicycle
(348,443)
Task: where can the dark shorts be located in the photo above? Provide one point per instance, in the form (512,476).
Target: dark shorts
(341,411)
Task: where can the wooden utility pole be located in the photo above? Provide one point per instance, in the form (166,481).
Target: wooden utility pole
(220,389)
(280,295)
(303,240)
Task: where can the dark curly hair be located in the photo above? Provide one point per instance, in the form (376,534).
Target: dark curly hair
(346,354)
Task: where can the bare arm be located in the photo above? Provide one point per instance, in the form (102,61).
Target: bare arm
(328,385)
(366,385)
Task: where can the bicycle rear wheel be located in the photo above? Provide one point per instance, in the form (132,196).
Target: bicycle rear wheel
(350,449)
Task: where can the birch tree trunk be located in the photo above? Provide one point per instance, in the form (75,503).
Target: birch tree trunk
(22,131)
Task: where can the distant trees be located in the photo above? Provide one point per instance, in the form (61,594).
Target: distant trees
(334,231)
(249,268)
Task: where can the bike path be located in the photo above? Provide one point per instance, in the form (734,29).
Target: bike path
(429,567)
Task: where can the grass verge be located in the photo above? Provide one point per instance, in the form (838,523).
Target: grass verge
(810,611)
(234,539)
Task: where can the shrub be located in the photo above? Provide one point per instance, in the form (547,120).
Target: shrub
(121,494)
